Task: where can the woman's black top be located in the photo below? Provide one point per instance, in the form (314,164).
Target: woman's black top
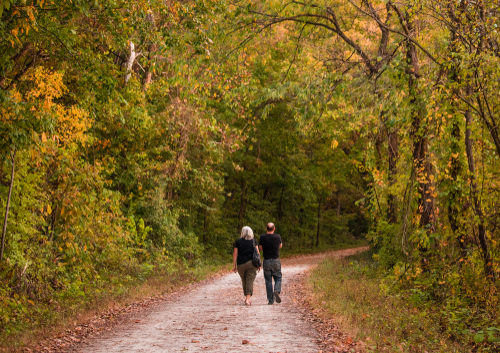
(245,250)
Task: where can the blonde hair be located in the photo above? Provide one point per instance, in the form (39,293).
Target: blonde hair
(247,233)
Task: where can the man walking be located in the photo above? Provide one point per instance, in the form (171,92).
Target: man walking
(270,245)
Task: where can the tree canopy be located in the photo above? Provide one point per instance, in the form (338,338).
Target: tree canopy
(140,133)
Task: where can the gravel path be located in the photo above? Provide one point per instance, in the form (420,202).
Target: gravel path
(212,318)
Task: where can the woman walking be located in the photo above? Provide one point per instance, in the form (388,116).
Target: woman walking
(242,261)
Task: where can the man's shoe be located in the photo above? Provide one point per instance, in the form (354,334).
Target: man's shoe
(277,297)
(270,303)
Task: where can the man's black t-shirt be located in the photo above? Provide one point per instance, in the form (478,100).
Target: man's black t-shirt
(270,245)
(245,250)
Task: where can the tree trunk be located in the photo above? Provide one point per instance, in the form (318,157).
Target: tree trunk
(483,241)
(151,49)
(393,149)
(266,193)
(16,59)
(280,208)
(456,167)
(150,67)
(422,165)
(148,76)
(339,202)
(242,204)
(130,62)
(491,125)
(8,203)
(423,170)
(301,232)
(454,207)
(319,223)
(205,227)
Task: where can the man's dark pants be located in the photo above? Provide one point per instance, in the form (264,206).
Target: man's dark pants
(272,269)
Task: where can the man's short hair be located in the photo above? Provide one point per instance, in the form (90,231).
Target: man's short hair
(270,227)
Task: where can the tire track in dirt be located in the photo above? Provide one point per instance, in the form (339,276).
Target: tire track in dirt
(212,318)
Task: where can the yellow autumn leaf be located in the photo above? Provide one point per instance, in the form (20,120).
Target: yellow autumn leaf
(44,137)
(335,144)
(49,209)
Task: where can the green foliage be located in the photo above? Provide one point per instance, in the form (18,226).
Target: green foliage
(409,98)
(145,133)
(142,144)
(383,315)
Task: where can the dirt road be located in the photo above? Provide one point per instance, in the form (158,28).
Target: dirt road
(212,318)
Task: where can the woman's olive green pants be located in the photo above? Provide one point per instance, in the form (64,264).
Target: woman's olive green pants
(247,272)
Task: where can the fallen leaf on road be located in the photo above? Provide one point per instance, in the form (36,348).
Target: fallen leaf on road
(245,342)
(348,340)
(195,341)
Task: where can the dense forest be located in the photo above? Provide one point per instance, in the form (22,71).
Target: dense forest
(139,134)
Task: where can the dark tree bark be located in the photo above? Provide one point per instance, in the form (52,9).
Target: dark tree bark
(422,165)
(454,206)
(280,207)
(301,235)
(149,68)
(318,231)
(483,241)
(393,151)
(266,193)
(13,159)
(339,203)
(454,202)
(151,57)
(52,223)
(205,227)
(243,204)
(16,60)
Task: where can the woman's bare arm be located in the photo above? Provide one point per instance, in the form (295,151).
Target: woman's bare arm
(235,256)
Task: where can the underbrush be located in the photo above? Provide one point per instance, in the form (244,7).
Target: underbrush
(389,317)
